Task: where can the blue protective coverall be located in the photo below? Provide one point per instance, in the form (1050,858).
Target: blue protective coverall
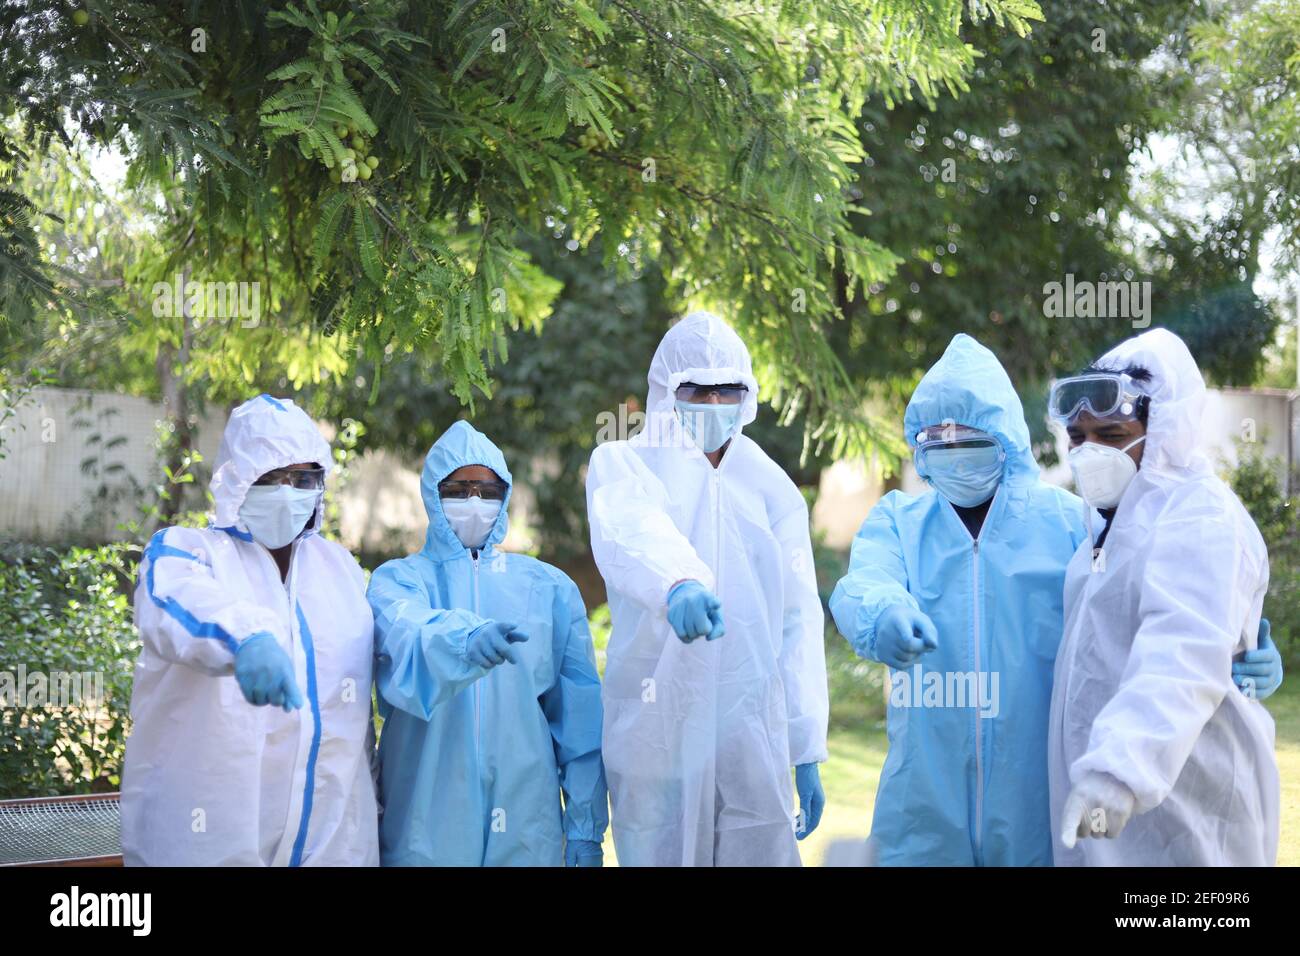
(965,780)
(473,761)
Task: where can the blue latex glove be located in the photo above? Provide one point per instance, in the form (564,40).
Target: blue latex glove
(812,798)
(489,644)
(694,611)
(583,853)
(903,634)
(1259,672)
(265,673)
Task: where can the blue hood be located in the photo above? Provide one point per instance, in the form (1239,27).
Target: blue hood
(461,444)
(969,386)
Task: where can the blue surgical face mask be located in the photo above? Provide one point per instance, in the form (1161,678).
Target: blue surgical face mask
(276,514)
(710,426)
(966,476)
(471,518)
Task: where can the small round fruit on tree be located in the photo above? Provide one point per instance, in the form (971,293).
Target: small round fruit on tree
(364,172)
(341,131)
(80,17)
(358,143)
(350,155)
(372,162)
(336,175)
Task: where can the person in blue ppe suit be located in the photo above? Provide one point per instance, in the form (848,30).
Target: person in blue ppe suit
(487,685)
(964,579)
(960,592)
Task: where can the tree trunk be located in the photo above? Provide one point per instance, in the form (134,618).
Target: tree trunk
(170,367)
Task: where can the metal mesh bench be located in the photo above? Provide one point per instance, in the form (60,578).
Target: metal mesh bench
(61,831)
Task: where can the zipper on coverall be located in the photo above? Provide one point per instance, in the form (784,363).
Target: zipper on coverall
(474,689)
(977,611)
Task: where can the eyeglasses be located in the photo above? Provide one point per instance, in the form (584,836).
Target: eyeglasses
(487,490)
(1104,395)
(694,394)
(304,479)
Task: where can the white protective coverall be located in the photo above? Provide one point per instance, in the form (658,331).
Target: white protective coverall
(699,738)
(209,778)
(1143,681)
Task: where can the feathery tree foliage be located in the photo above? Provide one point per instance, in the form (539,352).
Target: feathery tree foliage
(374,166)
(1030,176)
(1251,59)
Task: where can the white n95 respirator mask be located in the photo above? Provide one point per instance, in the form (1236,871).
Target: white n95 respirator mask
(1102,472)
(276,514)
(471,518)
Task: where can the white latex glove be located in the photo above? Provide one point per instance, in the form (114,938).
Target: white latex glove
(1098,805)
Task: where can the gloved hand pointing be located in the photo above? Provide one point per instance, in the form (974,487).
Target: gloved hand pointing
(1098,805)
(265,673)
(693,611)
(489,644)
(1259,672)
(903,634)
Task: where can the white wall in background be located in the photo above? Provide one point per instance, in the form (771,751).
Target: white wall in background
(66,445)
(73,459)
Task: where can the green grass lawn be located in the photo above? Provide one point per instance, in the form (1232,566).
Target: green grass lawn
(1285,706)
(857,754)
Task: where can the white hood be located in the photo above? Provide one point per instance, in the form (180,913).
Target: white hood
(700,348)
(1174,424)
(264,433)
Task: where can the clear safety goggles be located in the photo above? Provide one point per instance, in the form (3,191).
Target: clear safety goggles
(950,432)
(1111,395)
(938,441)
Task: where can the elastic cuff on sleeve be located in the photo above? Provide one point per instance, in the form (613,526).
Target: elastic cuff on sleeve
(460,642)
(252,637)
(673,589)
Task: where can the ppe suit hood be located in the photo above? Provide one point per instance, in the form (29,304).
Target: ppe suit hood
(262,434)
(700,348)
(460,445)
(1177,393)
(969,386)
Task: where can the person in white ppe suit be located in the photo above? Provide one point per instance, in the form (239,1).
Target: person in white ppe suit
(252,735)
(698,534)
(1154,757)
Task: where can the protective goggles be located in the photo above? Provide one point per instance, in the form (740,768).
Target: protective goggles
(304,479)
(950,432)
(1110,395)
(487,490)
(701,394)
(968,454)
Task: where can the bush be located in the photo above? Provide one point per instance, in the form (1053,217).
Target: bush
(1256,483)
(64,613)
